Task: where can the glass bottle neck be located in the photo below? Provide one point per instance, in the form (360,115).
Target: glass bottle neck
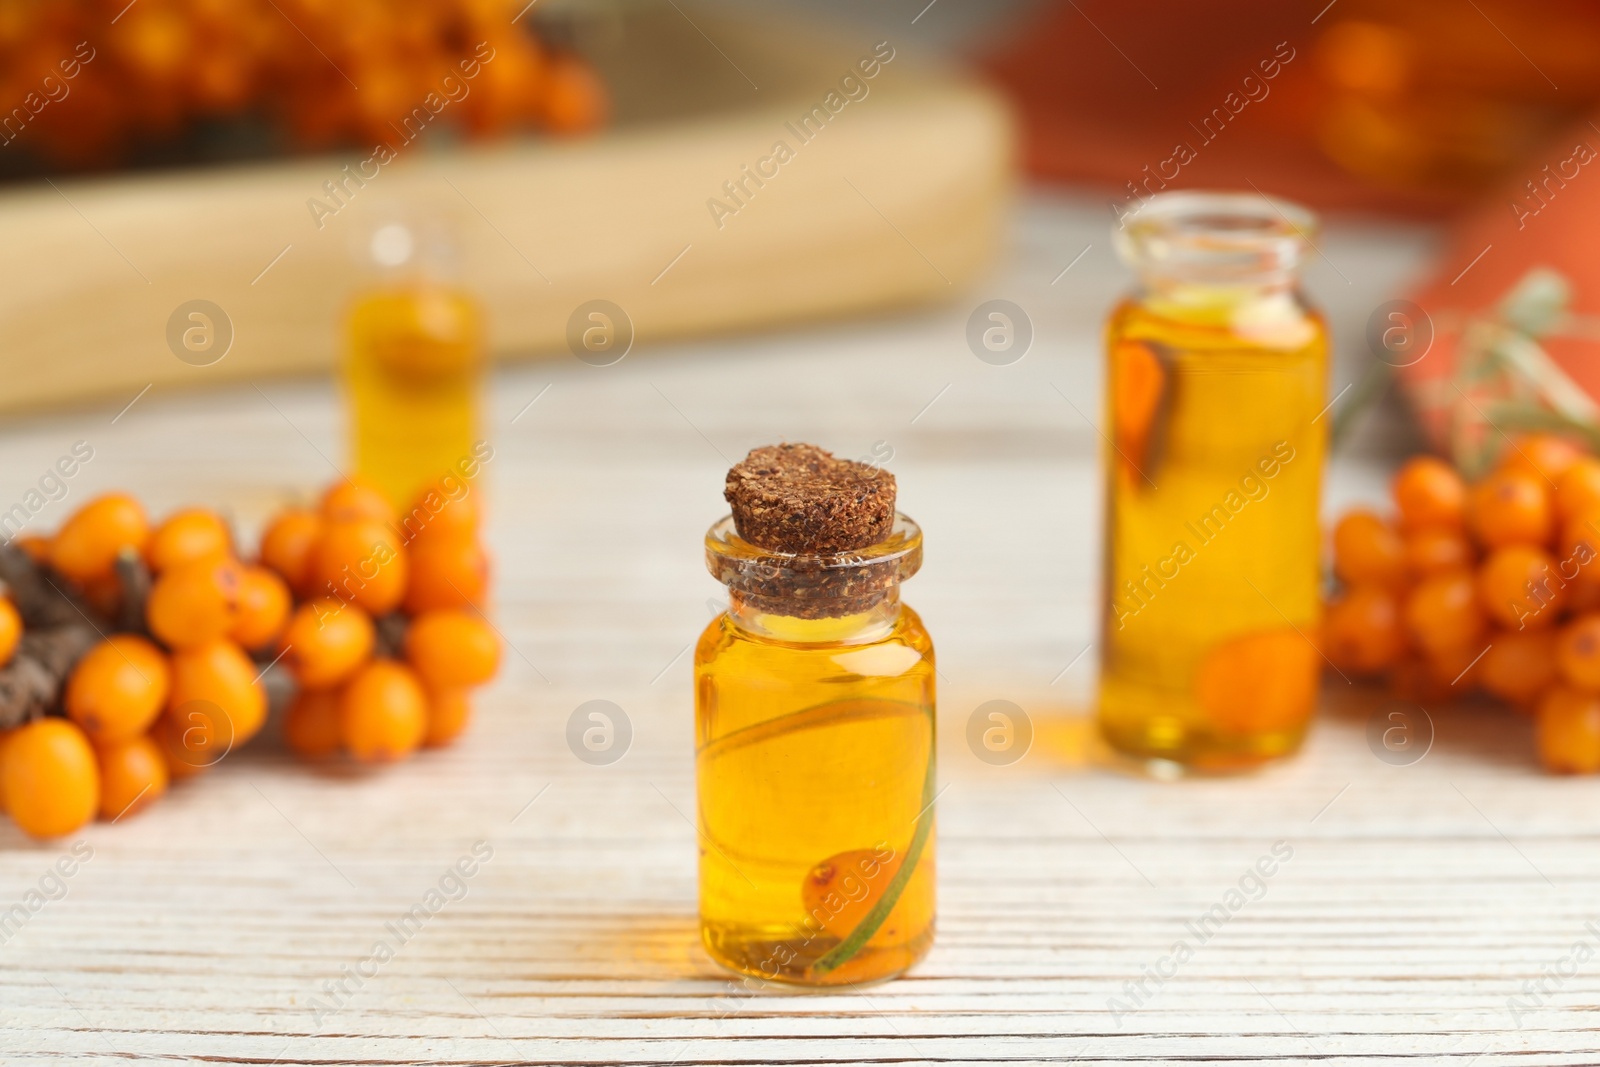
(860,627)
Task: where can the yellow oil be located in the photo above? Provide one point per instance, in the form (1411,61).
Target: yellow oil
(814,750)
(1211,526)
(413,366)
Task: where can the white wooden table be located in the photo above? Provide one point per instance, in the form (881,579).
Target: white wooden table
(1418,905)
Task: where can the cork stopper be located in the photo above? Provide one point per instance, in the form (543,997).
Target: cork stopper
(798,498)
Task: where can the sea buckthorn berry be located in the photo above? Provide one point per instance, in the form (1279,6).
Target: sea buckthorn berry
(449,711)
(1578,488)
(87,544)
(446,574)
(1510,508)
(325,642)
(263,608)
(220,675)
(118,688)
(1540,455)
(1520,665)
(1519,588)
(1414,678)
(1429,494)
(187,535)
(1367,550)
(1568,732)
(133,775)
(5,738)
(1436,550)
(447,510)
(194,603)
(383,712)
(49,776)
(452,648)
(288,544)
(1578,652)
(357,499)
(840,891)
(1361,630)
(1458,669)
(192,739)
(363,562)
(1259,681)
(10,630)
(1442,613)
(35,546)
(312,727)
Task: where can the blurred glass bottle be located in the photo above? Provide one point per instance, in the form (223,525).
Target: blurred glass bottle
(1216,375)
(414,362)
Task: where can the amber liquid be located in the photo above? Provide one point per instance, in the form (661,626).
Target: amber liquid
(1211,542)
(412,373)
(814,756)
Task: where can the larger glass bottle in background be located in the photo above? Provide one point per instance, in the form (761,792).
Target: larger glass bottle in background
(1216,370)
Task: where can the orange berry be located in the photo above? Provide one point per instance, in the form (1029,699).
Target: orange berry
(1436,550)
(840,891)
(1540,455)
(194,603)
(452,648)
(1509,508)
(10,630)
(446,510)
(1361,630)
(1367,549)
(263,608)
(449,711)
(312,726)
(1457,670)
(446,574)
(49,777)
(1442,613)
(356,499)
(219,676)
(325,642)
(1519,665)
(118,688)
(192,741)
(34,546)
(383,712)
(1578,488)
(1415,679)
(1265,680)
(1578,652)
(87,544)
(288,544)
(1429,494)
(187,535)
(1519,588)
(1568,731)
(361,561)
(133,775)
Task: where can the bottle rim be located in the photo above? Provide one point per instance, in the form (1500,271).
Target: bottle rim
(818,585)
(1220,237)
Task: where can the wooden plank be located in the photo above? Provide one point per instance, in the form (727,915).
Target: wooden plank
(875,210)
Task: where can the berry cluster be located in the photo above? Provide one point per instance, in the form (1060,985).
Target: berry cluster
(1493,585)
(92,82)
(375,620)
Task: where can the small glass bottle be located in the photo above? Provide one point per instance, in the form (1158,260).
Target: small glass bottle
(413,366)
(814,760)
(1216,372)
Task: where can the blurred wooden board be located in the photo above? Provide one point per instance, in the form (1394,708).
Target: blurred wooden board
(1417,904)
(897,201)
